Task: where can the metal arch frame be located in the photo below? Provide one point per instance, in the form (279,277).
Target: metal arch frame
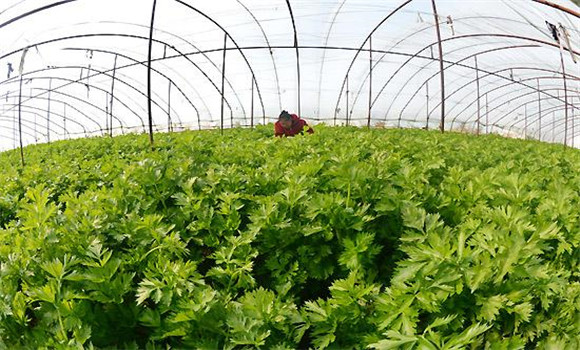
(296,46)
(392,13)
(528,101)
(509,101)
(408,37)
(9,137)
(456,63)
(443,100)
(24,125)
(238,48)
(559,123)
(37,10)
(173,47)
(38,126)
(120,121)
(42,117)
(328,48)
(100,128)
(180,54)
(100,73)
(505,116)
(335,16)
(76,109)
(78,81)
(522,96)
(495,89)
(155,70)
(509,84)
(149,54)
(57,114)
(451,65)
(556,124)
(454,92)
(534,121)
(558,7)
(416,55)
(76,98)
(499,76)
(271,52)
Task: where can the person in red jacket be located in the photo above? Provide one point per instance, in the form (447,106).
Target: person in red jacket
(290,125)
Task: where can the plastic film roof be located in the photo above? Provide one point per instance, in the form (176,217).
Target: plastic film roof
(79,68)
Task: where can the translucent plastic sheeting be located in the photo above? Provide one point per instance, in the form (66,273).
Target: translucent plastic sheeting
(84,66)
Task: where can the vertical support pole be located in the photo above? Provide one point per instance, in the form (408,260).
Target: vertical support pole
(112,97)
(64,121)
(427,103)
(526,121)
(252,106)
(14,124)
(169,123)
(48,111)
(299,82)
(150,109)
(35,121)
(106,113)
(553,126)
(478,97)
(573,123)
(486,115)
(20,121)
(565,99)
(223,83)
(539,112)
(297,55)
(370,79)
(347,101)
(441,68)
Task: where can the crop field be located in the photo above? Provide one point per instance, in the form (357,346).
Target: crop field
(348,238)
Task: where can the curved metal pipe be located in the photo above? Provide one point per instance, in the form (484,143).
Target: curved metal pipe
(519,106)
(558,7)
(74,108)
(507,85)
(70,81)
(324,57)
(180,54)
(450,66)
(361,49)
(43,117)
(271,53)
(155,70)
(297,54)
(68,105)
(37,10)
(235,44)
(416,55)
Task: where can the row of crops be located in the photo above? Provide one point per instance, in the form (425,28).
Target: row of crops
(347,238)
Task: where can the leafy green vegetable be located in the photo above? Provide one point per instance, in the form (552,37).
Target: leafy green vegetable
(348,238)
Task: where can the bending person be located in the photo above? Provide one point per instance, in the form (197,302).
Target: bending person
(290,125)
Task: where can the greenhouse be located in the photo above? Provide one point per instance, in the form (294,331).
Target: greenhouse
(145,201)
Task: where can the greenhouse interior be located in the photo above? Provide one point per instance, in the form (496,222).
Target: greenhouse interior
(146,202)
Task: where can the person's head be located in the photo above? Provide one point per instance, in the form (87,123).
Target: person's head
(285,120)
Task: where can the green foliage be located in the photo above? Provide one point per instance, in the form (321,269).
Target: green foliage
(348,238)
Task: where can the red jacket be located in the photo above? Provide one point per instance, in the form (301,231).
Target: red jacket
(297,127)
